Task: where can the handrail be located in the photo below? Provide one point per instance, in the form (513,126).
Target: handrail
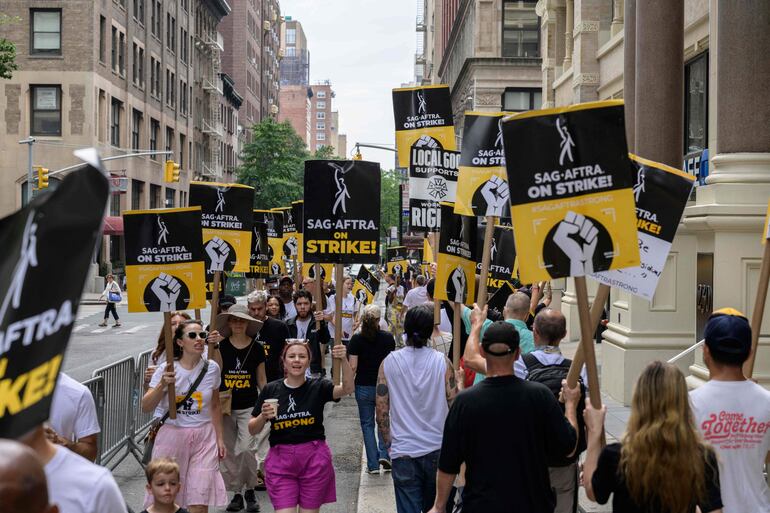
(686,352)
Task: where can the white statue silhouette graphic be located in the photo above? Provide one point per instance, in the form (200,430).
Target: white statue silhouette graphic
(566,143)
(27,259)
(163,233)
(639,187)
(220,201)
(342,189)
(422,105)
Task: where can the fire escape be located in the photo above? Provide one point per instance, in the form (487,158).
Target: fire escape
(211,125)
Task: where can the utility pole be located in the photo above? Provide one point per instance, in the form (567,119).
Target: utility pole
(29,141)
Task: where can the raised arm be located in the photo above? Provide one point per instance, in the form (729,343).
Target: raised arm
(348,376)
(472,357)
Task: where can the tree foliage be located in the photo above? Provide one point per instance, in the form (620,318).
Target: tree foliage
(7,50)
(390,201)
(326,153)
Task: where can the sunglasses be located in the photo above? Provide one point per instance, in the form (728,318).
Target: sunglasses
(192,335)
(296,341)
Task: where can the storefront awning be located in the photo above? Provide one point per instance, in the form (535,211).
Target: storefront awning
(113,225)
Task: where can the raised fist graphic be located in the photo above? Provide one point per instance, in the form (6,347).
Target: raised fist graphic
(459,280)
(166,288)
(217,250)
(426,141)
(577,237)
(495,193)
(292,245)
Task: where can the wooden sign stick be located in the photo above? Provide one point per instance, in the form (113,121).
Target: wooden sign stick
(318,303)
(169,363)
(214,305)
(759,309)
(456,327)
(436,304)
(198,314)
(489,232)
(587,342)
(602,293)
(339,283)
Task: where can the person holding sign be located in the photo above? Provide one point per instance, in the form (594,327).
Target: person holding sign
(195,438)
(349,310)
(298,469)
(303,328)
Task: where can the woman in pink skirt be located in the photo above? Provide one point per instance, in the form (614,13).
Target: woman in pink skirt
(194,439)
(298,469)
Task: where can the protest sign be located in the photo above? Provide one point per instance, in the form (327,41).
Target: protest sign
(298,213)
(498,299)
(571,190)
(482,183)
(502,256)
(48,247)
(427,257)
(432,179)
(289,246)
(365,286)
(397,261)
(661,193)
(165,264)
(327,270)
(341,212)
(259,266)
(423,117)
(457,255)
(274,222)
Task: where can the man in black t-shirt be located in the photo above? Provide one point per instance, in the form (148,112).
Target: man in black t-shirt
(304,326)
(505,430)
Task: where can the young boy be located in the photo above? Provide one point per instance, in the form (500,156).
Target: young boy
(163,484)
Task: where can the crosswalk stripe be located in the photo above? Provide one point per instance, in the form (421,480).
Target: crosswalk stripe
(80,327)
(101,330)
(132,330)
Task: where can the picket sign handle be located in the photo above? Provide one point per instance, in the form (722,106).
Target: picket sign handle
(318,303)
(456,322)
(214,306)
(297,280)
(338,294)
(587,342)
(169,362)
(198,314)
(602,293)
(436,303)
(489,232)
(759,309)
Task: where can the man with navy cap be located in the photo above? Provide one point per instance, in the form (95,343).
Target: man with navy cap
(733,413)
(505,430)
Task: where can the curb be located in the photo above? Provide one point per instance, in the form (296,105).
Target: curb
(375,492)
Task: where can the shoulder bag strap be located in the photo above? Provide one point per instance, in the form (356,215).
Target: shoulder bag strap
(192,389)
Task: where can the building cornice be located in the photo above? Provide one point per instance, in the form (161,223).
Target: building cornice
(219,7)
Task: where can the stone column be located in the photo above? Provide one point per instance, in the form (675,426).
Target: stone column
(570,21)
(549,37)
(585,66)
(617,17)
(629,70)
(730,209)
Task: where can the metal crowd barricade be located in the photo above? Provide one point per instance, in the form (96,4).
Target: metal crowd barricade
(119,391)
(96,387)
(142,421)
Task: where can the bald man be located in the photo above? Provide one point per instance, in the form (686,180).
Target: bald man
(22,480)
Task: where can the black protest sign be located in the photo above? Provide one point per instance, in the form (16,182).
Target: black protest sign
(48,247)
(423,116)
(227,218)
(457,256)
(502,253)
(165,263)
(290,245)
(432,179)
(259,266)
(497,301)
(397,260)
(365,286)
(661,193)
(274,221)
(570,183)
(342,211)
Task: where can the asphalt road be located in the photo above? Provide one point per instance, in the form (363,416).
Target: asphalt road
(92,347)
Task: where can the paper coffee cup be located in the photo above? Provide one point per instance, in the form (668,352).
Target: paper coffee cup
(274,405)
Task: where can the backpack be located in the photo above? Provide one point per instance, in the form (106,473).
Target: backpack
(552,376)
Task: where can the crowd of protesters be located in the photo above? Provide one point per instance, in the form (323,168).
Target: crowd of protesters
(251,391)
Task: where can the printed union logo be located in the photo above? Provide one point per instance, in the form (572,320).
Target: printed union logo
(162,232)
(422,104)
(437,188)
(220,201)
(566,143)
(342,189)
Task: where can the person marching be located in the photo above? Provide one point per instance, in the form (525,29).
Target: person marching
(298,470)
(275,308)
(303,328)
(113,295)
(349,310)
(158,355)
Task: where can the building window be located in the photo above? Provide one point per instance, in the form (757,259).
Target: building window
(182,98)
(696,101)
(320,125)
(102,38)
(320,105)
(46,31)
(116,107)
(169,198)
(321,94)
(155,20)
(137,191)
(139,11)
(122,54)
(182,143)
(138,66)
(155,80)
(46,110)
(136,129)
(170,88)
(171,33)
(170,141)
(291,36)
(320,115)
(154,129)
(521,29)
(185,5)
(155,196)
(320,136)
(291,51)
(183,45)
(517,99)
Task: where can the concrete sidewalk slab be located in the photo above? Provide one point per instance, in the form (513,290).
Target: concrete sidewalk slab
(375,491)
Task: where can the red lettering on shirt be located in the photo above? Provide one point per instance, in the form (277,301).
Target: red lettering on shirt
(733,430)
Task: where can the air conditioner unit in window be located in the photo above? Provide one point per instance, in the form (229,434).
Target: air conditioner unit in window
(274,109)
(266,25)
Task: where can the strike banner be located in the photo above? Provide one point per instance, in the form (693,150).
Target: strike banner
(227,219)
(342,212)
(165,267)
(397,261)
(571,190)
(298,212)
(274,222)
(259,266)
(502,253)
(48,247)
(432,179)
(365,286)
(496,301)
(427,257)
(289,246)
(422,114)
(661,193)
(457,256)
(327,271)
(482,183)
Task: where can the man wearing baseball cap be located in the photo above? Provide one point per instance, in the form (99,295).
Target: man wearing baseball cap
(285,294)
(733,413)
(506,430)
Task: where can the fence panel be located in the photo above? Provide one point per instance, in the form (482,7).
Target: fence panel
(96,387)
(119,383)
(142,421)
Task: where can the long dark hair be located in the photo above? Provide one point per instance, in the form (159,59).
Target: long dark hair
(161,347)
(418,325)
(179,333)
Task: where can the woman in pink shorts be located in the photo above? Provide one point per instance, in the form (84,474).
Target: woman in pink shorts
(298,468)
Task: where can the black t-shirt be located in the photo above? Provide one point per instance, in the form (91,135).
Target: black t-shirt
(607,479)
(505,430)
(239,372)
(273,337)
(300,410)
(370,355)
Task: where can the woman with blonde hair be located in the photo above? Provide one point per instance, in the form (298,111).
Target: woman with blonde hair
(367,350)
(662,464)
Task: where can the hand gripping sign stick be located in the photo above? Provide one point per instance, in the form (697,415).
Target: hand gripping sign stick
(586,343)
(339,283)
(481,297)
(169,362)
(759,309)
(318,303)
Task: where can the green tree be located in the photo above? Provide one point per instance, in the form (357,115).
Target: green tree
(273,163)
(390,200)
(325,153)
(7,50)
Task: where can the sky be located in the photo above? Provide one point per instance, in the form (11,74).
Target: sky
(365,48)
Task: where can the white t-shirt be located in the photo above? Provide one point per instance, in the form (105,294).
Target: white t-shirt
(73,411)
(197,410)
(734,417)
(291,310)
(303,327)
(416,297)
(444,324)
(78,486)
(348,310)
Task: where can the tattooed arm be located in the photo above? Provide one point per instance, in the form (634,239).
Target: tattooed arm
(450,382)
(383,406)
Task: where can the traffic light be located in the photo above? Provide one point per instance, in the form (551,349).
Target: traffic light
(42,177)
(172,171)
(358,155)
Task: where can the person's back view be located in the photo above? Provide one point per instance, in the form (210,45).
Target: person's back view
(22,480)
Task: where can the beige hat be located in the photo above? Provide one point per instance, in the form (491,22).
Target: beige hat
(241,312)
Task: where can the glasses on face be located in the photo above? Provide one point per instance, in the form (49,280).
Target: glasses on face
(296,341)
(192,335)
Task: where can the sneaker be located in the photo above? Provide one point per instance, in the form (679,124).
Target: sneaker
(251,501)
(260,482)
(104,324)
(373,472)
(116,325)
(386,466)
(236,504)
